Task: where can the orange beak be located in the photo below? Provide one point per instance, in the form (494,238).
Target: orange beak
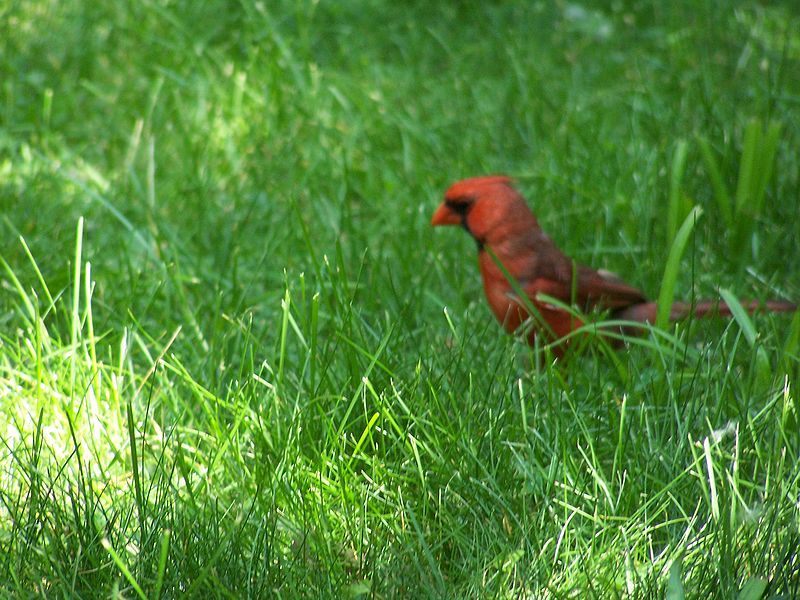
(445,216)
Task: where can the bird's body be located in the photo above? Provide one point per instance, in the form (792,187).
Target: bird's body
(506,231)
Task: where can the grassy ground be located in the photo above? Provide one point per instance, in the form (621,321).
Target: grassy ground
(235,360)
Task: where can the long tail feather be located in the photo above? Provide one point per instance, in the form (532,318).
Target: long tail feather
(645,312)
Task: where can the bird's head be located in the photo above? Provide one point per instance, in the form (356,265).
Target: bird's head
(487,207)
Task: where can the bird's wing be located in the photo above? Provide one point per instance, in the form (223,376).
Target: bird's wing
(588,288)
(603,289)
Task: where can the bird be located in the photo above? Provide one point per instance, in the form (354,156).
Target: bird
(509,238)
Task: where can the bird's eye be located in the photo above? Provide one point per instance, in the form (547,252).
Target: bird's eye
(459,207)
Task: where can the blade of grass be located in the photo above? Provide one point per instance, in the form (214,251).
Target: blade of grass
(755,171)
(88,292)
(675,589)
(32,312)
(123,567)
(766,164)
(747,166)
(792,345)
(740,316)
(753,589)
(763,369)
(76,299)
(721,193)
(667,293)
(162,562)
(676,206)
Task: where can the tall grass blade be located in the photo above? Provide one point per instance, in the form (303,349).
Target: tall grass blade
(766,164)
(721,193)
(162,562)
(763,369)
(667,293)
(30,310)
(123,568)
(675,589)
(792,345)
(747,166)
(76,301)
(88,293)
(740,316)
(677,206)
(755,171)
(753,589)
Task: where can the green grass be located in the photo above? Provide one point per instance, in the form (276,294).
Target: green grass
(235,360)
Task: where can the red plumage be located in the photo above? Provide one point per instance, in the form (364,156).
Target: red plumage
(498,218)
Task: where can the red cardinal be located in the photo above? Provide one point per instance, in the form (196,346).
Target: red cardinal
(497,217)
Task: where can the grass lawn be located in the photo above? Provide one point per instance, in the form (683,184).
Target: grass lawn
(237,361)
